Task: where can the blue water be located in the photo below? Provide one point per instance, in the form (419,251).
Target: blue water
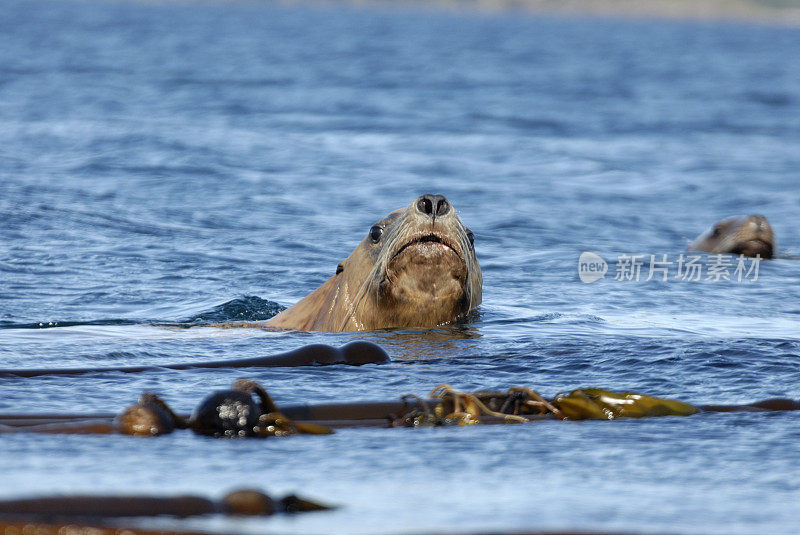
(202,162)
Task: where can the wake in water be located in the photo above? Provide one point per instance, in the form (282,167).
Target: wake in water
(246,308)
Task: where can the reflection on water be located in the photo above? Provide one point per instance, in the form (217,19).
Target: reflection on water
(444,341)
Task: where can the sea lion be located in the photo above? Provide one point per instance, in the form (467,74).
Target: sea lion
(749,236)
(415,268)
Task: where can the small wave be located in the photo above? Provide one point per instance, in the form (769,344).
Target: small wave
(245,308)
(228,82)
(772,99)
(54,324)
(531,124)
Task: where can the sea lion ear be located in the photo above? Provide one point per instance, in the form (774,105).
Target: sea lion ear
(340,267)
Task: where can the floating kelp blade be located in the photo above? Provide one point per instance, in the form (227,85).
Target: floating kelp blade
(244,502)
(596,403)
(774,404)
(354,354)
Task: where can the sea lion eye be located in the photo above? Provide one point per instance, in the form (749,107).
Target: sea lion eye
(471,238)
(716,232)
(375,233)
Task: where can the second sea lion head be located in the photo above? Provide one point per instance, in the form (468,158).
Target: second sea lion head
(415,268)
(749,236)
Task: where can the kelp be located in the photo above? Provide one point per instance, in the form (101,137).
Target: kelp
(242,502)
(247,410)
(224,414)
(596,403)
(519,405)
(448,406)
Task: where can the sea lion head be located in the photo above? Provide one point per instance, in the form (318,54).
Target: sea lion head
(750,236)
(415,268)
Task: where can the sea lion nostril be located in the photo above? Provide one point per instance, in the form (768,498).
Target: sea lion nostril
(442,207)
(425,206)
(433,205)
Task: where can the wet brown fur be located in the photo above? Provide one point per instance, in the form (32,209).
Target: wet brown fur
(750,236)
(422,272)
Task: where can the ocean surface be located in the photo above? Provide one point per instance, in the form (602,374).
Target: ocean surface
(191,163)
